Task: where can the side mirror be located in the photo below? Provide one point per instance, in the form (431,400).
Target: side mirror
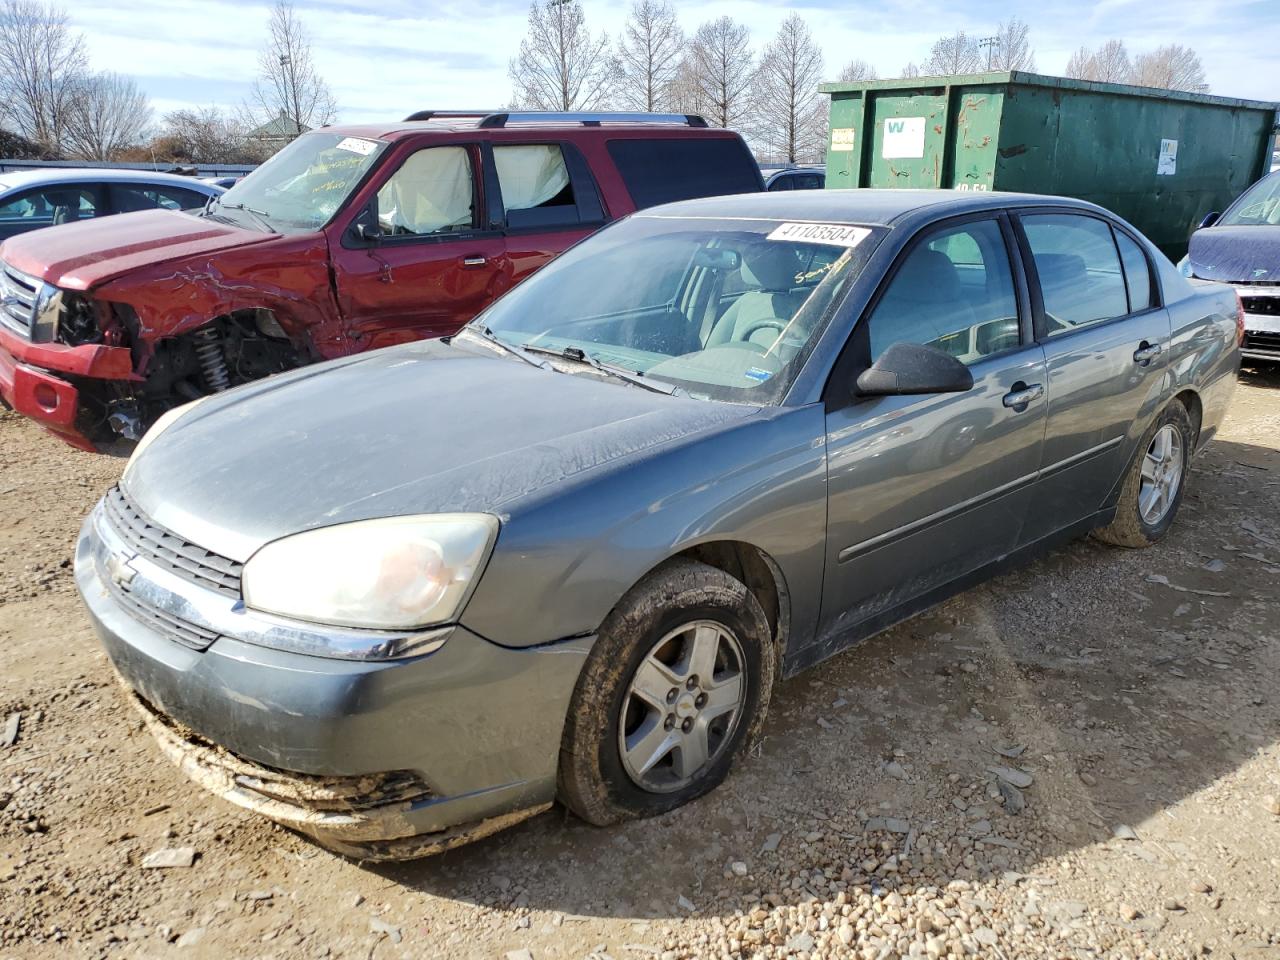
(1209,220)
(367,232)
(913,368)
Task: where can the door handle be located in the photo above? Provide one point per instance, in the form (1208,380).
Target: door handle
(1145,353)
(1022,394)
(475,261)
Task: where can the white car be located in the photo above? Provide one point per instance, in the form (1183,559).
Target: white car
(31,199)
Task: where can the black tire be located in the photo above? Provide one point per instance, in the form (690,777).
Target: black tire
(593,781)
(1128,528)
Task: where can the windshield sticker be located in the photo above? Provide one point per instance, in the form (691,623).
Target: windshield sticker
(836,234)
(356,145)
(756,374)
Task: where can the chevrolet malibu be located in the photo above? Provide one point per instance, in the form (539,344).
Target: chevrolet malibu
(707,448)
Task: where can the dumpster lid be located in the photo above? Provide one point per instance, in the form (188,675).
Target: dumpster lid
(1041,80)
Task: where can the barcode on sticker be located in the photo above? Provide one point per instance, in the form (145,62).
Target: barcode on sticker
(837,234)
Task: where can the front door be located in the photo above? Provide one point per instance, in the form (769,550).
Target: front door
(1106,342)
(428,262)
(924,489)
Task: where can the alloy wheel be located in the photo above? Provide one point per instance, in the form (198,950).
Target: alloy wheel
(1161,474)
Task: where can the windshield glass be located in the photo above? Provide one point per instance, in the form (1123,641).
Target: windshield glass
(1259,205)
(302,186)
(723,309)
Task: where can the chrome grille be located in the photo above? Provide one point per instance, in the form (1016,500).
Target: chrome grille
(170,551)
(1257,342)
(1264,306)
(166,624)
(17,299)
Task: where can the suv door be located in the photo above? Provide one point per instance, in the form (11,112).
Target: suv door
(1106,341)
(546,198)
(925,489)
(428,262)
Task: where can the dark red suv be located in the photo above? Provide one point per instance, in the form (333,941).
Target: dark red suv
(349,239)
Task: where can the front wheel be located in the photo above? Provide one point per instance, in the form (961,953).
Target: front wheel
(676,685)
(1154,485)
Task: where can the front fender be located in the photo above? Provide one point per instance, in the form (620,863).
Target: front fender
(562,563)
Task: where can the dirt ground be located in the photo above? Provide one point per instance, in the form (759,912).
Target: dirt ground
(1140,688)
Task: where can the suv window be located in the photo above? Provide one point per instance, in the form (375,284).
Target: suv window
(129,197)
(1137,273)
(432,192)
(50,206)
(955,292)
(1080,276)
(535,183)
(663,171)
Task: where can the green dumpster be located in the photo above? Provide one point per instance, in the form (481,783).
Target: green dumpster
(1161,159)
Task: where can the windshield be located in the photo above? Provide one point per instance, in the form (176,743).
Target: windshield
(722,309)
(1259,205)
(301,187)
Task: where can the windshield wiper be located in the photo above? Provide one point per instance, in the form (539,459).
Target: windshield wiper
(489,336)
(258,215)
(634,377)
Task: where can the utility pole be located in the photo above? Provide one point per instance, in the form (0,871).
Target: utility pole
(988,44)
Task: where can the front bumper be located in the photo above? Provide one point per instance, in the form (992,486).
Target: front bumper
(475,726)
(33,380)
(1261,321)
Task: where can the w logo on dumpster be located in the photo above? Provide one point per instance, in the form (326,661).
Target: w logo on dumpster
(896,126)
(903,137)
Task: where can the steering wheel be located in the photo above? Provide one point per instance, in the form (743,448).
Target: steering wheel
(745,335)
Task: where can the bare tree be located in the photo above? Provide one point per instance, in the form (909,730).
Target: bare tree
(789,108)
(722,67)
(1109,64)
(857,70)
(289,88)
(1173,67)
(41,65)
(108,113)
(910,71)
(1012,48)
(649,56)
(205,135)
(562,65)
(957,53)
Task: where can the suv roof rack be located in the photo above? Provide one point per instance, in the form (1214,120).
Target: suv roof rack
(502,118)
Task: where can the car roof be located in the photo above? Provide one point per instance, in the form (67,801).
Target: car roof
(21,179)
(409,128)
(864,206)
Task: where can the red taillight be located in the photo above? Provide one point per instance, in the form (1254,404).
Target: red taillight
(1239,320)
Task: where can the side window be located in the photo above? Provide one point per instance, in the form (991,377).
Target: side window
(432,193)
(535,184)
(1080,276)
(784,182)
(809,181)
(954,291)
(49,206)
(128,198)
(1137,273)
(681,168)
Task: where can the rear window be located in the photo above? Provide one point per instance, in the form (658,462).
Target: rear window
(664,171)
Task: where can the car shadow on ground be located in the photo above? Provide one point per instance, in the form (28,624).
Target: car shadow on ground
(1134,680)
(1259,373)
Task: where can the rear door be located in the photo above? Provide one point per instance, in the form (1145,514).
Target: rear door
(436,260)
(1106,341)
(925,489)
(546,198)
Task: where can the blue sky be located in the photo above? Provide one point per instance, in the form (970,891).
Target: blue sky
(387,59)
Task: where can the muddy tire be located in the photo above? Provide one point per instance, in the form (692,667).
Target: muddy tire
(1155,482)
(651,725)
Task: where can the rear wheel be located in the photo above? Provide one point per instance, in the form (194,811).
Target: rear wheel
(676,685)
(1154,485)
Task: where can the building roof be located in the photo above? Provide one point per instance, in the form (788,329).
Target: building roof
(279,128)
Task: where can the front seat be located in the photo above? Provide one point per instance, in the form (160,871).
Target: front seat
(924,303)
(773,267)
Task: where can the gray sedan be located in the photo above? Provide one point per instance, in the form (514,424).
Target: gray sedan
(404,599)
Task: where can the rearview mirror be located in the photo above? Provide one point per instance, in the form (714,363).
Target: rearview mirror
(1209,220)
(912,368)
(717,258)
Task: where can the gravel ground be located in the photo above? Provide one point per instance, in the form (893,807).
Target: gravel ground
(1079,759)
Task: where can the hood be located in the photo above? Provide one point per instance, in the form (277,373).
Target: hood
(1236,254)
(422,428)
(82,255)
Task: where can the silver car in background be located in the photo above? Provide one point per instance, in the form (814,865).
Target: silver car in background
(403,599)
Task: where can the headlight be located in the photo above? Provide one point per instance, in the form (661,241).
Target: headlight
(392,574)
(1184,267)
(165,421)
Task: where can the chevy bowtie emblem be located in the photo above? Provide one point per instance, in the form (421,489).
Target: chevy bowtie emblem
(118,568)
